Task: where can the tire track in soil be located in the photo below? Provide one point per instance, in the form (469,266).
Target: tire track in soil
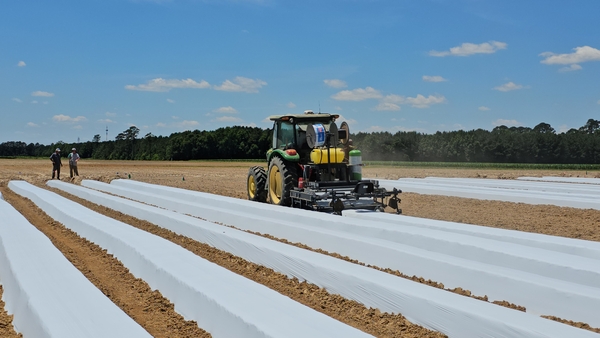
(148,308)
(369,320)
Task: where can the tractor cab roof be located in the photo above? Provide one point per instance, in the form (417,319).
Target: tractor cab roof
(304,118)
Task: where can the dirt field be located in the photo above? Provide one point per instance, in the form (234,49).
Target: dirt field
(156,314)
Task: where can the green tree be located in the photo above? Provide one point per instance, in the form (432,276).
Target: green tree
(590,127)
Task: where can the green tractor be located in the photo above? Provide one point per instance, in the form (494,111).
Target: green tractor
(312,165)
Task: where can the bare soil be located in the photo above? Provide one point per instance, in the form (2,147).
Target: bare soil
(155,313)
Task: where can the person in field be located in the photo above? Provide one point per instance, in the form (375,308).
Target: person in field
(56,163)
(73,159)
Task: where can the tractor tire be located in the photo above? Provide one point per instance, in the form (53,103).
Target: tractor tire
(283,177)
(257,184)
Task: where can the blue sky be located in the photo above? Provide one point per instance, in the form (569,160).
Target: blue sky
(70,69)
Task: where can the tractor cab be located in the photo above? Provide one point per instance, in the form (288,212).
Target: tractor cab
(303,133)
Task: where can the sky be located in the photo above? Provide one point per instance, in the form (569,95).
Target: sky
(70,70)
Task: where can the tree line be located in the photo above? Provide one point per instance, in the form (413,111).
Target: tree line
(224,143)
(541,144)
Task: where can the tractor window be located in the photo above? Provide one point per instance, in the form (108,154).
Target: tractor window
(285,135)
(301,136)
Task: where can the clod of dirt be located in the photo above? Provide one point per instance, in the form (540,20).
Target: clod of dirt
(510,305)
(572,323)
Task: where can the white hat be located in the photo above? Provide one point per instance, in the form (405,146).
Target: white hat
(73,149)
(57,149)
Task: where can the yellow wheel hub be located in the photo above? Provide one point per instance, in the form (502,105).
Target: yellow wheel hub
(251,187)
(275,186)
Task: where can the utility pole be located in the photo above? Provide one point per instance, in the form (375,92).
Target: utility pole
(107,133)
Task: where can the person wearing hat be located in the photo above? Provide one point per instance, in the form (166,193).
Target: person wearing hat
(56,163)
(73,159)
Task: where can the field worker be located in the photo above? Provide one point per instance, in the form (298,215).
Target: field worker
(56,164)
(73,159)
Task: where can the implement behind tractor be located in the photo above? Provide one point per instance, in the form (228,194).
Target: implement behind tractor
(312,165)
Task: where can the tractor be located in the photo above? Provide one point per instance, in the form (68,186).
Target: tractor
(312,165)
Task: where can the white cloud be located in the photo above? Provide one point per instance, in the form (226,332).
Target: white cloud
(291,105)
(31,124)
(391,129)
(337,108)
(357,94)
(241,84)
(581,54)
(598,101)
(41,93)
(34,102)
(393,98)
(341,119)
(508,87)
(229,119)
(17,100)
(483,108)
(508,123)
(109,114)
(373,129)
(164,85)
(187,124)
(563,128)
(77,127)
(170,101)
(570,68)
(175,117)
(436,78)
(21,64)
(66,118)
(45,102)
(226,110)
(387,106)
(106,121)
(470,48)
(335,83)
(421,101)
(392,101)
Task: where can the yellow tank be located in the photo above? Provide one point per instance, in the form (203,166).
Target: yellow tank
(319,155)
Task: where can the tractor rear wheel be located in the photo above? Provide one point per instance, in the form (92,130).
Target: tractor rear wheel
(283,177)
(256,184)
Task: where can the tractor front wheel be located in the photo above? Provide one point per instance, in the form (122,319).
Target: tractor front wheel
(257,183)
(283,177)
